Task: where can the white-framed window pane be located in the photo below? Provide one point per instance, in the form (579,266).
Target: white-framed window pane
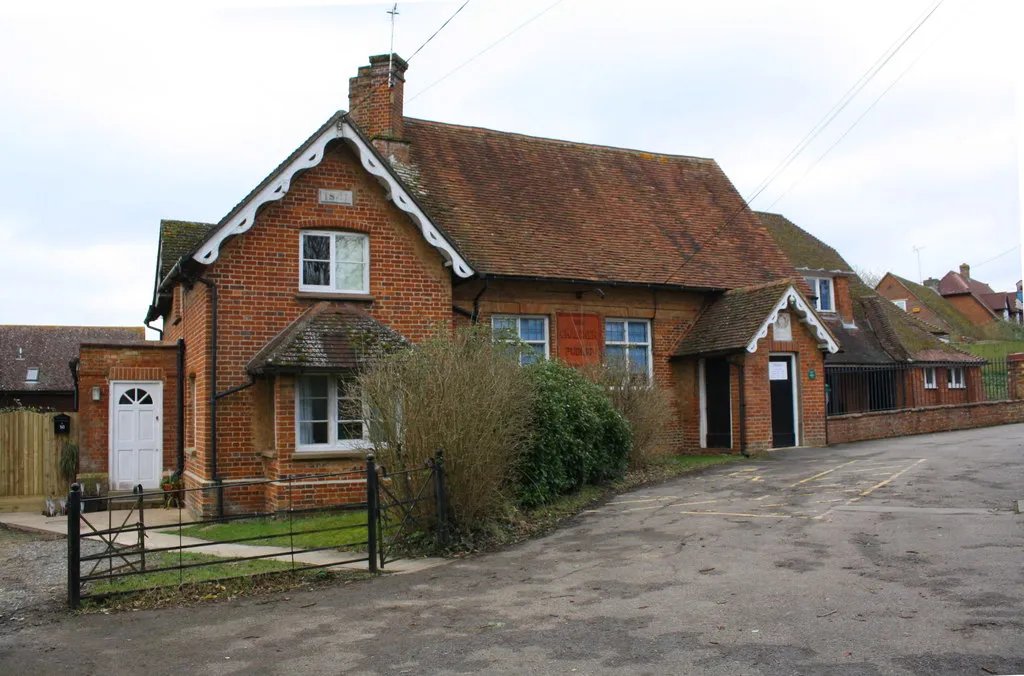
(638,332)
(503,324)
(929,378)
(825,294)
(532,329)
(349,248)
(532,353)
(615,331)
(316,248)
(638,359)
(313,414)
(615,354)
(348,276)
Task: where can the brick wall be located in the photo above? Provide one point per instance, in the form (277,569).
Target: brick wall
(972,308)
(100,364)
(886,424)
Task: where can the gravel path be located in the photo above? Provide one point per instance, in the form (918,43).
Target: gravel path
(33,578)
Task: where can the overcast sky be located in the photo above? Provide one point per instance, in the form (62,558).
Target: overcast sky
(114,117)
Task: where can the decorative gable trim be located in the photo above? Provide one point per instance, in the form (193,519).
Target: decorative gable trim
(277,187)
(790,296)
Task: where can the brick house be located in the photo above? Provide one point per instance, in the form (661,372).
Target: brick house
(889,358)
(976,299)
(392,227)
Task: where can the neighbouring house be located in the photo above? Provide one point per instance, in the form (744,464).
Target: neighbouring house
(889,359)
(36,362)
(383,228)
(976,299)
(924,302)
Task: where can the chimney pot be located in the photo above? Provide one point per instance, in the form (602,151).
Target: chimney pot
(965,270)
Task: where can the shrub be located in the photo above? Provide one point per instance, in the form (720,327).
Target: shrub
(578,438)
(457,392)
(68,463)
(647,407)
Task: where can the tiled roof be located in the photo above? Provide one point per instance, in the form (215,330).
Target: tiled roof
(998,301)
(534,207)
(326,337)
(804,250)
(177,239)
(50,349)
(905,338)
(953,283)
(732,320)
(958,325)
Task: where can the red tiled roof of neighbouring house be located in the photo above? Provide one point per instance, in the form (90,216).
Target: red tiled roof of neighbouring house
(326,337)
(49,349)
(954,282)
(535,207)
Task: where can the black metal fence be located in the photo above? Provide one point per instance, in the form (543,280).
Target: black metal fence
(145,541)
(891,387)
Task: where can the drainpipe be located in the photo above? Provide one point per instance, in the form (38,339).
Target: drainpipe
(181,407)
(476,302)
(149,326)
(73,365)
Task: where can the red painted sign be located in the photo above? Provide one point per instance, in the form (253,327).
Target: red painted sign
(579,338)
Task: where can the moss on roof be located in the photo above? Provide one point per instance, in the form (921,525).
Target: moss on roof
(803,249)
(177,239)
(945,310)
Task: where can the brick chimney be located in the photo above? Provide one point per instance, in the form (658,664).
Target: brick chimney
(932,284)
(965,270)
(376,101)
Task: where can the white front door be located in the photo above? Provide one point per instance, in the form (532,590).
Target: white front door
(136,434)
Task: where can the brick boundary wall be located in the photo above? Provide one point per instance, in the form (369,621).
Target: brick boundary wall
(844,429)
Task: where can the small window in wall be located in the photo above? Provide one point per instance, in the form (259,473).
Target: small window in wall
(821,287)
(531,331)
(335,262)
(628,342)
(955,378)
(901,303)
(32,376)
(329,414)
(929,379)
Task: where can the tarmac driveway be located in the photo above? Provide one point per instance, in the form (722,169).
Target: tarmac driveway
(892,557)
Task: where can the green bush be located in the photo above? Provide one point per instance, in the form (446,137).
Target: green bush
(578,437)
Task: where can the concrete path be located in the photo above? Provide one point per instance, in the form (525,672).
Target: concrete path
(890,557)
(171,518)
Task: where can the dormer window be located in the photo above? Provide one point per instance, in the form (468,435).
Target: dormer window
(334,262)
(32,376)
(823,294)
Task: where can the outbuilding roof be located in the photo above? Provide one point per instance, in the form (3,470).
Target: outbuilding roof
(49,349)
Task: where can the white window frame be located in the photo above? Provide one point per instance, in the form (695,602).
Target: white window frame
(333,443)
(956,379)
(627,344)
(931,381)
(330,288)
(814,283)
(519,331)
(901,303)
(32,374)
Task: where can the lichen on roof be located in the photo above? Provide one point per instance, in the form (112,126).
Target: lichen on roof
(802,248)
(945,310)
(177,239)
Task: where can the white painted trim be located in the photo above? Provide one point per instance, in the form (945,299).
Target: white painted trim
(794,376)
(790,295)
(158,394)
(703,394)
(342,445)
(931,370)
(278,188)
(817,290)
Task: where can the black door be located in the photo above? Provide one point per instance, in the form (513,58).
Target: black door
(717,401)
(780,376)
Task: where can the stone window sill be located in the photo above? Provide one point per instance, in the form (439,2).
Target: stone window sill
(358,454)
(358,297)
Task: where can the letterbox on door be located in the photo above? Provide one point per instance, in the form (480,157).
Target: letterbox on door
(62,424)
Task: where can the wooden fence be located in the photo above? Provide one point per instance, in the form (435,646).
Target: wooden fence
(29,459)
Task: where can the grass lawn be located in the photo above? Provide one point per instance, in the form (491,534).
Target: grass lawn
(171,578)
(352,533)
(993,349)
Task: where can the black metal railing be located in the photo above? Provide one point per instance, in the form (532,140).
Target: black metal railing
(314,523)
(892,387)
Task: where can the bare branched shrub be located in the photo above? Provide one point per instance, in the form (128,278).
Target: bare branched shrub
(457,392)
(647,406)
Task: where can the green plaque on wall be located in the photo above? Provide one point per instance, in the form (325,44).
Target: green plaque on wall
(812,374)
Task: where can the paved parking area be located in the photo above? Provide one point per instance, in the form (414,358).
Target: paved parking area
(892,557)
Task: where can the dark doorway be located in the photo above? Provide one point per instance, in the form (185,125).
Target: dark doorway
(780,377)
(717,402)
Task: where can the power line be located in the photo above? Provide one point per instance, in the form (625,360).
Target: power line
(815,131)
(1010,250)
(427,41)
(848,130)
(486,49)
